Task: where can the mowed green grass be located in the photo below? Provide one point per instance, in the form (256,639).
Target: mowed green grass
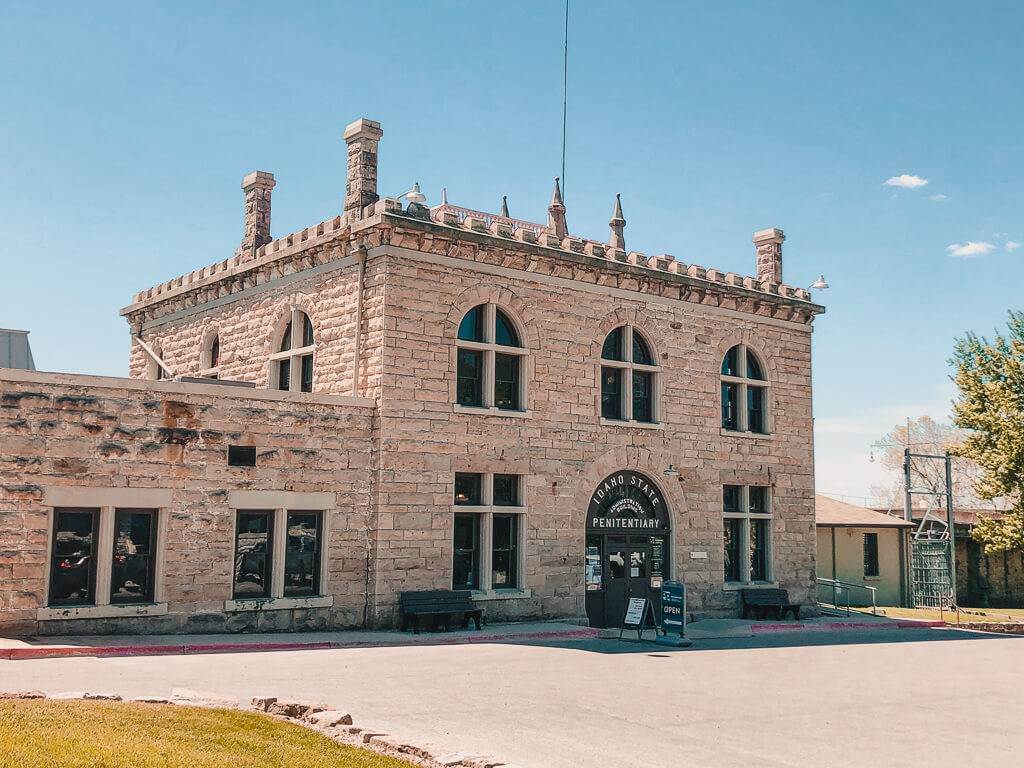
(101,734)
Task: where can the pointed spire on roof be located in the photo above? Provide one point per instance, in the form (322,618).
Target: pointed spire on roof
(504,206)
(617,224)
(444,195)
(556,214)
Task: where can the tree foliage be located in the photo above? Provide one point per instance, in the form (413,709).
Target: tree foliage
(990,377)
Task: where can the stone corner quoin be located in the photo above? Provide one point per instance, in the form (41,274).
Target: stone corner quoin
(405,398)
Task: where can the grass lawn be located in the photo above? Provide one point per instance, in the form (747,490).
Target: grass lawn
(966,614)
(102,734)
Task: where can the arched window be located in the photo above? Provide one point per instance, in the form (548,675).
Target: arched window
(744,392)
(210,365)
(629,378)
(291,364)
(154,370)
(491,361)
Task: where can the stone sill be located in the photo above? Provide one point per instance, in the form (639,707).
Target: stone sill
(736,586)
(748,435)
(277,603)
(631,424)
(492,412)
(480,595)
(121,611)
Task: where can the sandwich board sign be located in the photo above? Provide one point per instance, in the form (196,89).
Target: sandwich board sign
(673,607)
(637,611)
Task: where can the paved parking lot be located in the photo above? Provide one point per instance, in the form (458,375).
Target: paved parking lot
(880,699)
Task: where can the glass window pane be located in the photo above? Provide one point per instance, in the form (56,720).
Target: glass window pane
(470,385)
(286,339)
(506,490)
(131,574)
(870,554)
(306,385)
(506,382)
(612,349)
(593,568)
(503,531)
(307,331)
(611,393)
(643,400)
(302,555)
(467,488)
(284,378)
(472,326)
(73,565)
(730,411)
(504,331)
(616,564)
(758,550)
(638,564)
(641,351)
(758,499)
(754,367)
(214,360)
(730,363)
(465,554)
(755,409)
(252,554)
(504,558)
(731,498)
(731,533)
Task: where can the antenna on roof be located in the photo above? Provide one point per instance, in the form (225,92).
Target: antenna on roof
(565,89)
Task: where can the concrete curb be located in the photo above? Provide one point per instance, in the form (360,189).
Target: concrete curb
(842,626)
(108,651)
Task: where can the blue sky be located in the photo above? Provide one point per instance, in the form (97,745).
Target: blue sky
(127,128)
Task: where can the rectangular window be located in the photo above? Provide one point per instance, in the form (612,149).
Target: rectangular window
(284,375)
(504,555)
(132,566)
(73,557)
(611,393)
(758,550)
(506,382)
(466,552)
(306,384)
(470,378)
(871,554)
(755,410)
(468,488)
(506,491)
(302,555)
(253,544)
(746,533)
(730,411)
(643,396)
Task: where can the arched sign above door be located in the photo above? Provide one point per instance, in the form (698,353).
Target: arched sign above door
(627,501)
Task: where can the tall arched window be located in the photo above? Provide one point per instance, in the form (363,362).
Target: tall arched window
(291,364)
(210,364)
(744,392)
(491,361)
(629,378)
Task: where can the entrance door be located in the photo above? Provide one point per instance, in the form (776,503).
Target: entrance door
(627,573)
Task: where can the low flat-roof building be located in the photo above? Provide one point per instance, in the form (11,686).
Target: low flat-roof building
(437,398)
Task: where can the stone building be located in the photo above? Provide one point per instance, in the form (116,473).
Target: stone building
(406,397)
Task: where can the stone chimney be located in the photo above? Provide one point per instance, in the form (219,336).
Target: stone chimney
(362,138)
(257,186)
(617,225)
(768,244)
(556,214)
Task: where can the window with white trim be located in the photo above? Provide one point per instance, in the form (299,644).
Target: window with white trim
(210,363)
(278,553)
(744,392)
(629,378)
(747,531)
(488,531)
(291,365)
(102,556)
(491,364)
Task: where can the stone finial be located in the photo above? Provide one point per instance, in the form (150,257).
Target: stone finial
(504,206)
(617,224)
(768,244)
(362,138)
(444,195)
(257,187)
(556,214)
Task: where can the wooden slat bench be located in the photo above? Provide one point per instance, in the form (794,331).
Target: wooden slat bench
(442,604)
(764,602)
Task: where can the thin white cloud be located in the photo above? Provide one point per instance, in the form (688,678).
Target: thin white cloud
(1011,245)
(939,198)
(906,181)
(970,249)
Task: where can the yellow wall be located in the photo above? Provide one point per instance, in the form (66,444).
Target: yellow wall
(849,563)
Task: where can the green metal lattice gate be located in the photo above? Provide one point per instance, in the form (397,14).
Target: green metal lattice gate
(932,586)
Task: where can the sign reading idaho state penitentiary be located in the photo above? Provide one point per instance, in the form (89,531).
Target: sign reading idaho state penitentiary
(627,501)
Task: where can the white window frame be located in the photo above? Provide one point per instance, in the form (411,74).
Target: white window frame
(294,354)
(743,383)
(745,515)
(485,513)
(490,349)
(206,368)
(279,532)
(629,366)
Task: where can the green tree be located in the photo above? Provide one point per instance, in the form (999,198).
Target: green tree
(990,377)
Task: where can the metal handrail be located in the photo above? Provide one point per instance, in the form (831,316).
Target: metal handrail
(838,587)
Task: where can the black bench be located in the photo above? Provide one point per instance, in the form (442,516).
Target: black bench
(442,604)
(765,602)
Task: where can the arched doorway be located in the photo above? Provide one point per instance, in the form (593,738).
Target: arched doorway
(627,546)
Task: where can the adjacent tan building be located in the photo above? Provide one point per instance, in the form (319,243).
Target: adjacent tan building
(435,398)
